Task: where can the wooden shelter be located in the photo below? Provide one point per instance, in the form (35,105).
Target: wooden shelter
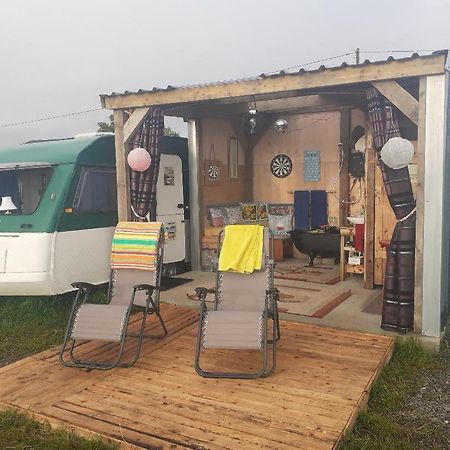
(323,105)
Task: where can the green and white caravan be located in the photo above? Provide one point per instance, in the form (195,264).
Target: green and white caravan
(58,211)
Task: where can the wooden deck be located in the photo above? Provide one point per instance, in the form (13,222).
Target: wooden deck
(322,381)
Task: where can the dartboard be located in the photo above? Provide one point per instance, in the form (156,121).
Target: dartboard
(281,166)
(213,172)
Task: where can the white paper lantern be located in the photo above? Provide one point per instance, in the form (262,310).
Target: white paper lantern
(397,153)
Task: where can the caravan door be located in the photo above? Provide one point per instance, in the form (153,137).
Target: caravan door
(170,207)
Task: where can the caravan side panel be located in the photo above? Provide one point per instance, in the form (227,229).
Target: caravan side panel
(82,255)
(25,264)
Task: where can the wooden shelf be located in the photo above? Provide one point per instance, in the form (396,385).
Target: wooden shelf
(351,268)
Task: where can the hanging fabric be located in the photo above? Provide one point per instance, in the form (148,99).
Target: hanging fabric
(398,292)
(143,184)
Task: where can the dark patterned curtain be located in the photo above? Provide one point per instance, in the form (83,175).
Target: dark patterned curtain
(143,184)
(398,292)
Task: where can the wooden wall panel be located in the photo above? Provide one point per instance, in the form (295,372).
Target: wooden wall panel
(315,131)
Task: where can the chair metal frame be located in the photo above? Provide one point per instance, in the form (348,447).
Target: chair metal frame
(270,312)
(152,306)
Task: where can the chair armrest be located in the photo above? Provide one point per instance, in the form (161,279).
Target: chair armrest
(271,304)
(146,287)
(202,292)
(83,286)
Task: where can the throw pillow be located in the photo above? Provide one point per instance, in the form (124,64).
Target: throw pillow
(280,225)
(249,211)
(217,215)
(262,211)
(233,215)
(281,208)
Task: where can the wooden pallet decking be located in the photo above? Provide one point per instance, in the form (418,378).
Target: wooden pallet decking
(322,381)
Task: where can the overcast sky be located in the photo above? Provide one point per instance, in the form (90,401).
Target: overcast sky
(57,56)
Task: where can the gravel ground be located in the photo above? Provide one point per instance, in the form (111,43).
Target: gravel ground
(431,404)
(429,407)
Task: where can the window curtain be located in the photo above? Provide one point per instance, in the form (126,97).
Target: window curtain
(143,184)
(398,292)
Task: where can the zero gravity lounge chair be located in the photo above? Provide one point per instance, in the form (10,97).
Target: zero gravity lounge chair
(136,267)
(245,304)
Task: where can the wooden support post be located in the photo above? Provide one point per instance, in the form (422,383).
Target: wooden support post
(420,161)
(369,219)
(196,191)
(342,194)
(123,195)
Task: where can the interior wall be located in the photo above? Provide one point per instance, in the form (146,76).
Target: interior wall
(312,131)
(216,132)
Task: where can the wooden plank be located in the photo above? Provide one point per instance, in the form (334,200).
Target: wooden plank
(292,105)
(343,188)
(426,65)
(420,161)
(342,258)
(400,97)
(369,217)
(363,401)
(58,423)
(133,122)
(123,195)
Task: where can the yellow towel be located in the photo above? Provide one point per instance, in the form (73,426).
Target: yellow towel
(242,248)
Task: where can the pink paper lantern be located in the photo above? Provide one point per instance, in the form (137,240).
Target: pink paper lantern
(139,159)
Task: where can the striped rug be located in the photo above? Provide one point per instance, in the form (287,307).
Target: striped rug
(135,245)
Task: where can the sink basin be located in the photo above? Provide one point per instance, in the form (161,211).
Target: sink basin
(356,220)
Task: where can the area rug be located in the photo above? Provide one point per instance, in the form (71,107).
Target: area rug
(309,299)
(302,298)
(297,270)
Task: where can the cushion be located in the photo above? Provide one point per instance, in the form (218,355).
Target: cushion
(218,216)
(233,215)
(281,208)
(249,211)
(262,211)
(280,225)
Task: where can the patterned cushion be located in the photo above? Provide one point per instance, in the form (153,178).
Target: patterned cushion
(281,209)
(280,225)
(249,211)
(218,215)
(262,211)
(233,215)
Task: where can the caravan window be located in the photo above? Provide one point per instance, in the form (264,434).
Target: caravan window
(21,189)
(96,191)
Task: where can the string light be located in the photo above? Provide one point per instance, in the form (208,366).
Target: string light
(61,116)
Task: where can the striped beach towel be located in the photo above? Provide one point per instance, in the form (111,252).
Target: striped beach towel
(135,245)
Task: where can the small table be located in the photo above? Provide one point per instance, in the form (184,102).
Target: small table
(282,248)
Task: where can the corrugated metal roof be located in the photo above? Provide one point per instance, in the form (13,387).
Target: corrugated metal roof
(262,76)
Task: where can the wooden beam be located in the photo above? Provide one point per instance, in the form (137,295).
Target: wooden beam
(420,161)
(292,105)
(123,197)
(345,116)
(133,122)
(411,67)
(369,219)
(400,97)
